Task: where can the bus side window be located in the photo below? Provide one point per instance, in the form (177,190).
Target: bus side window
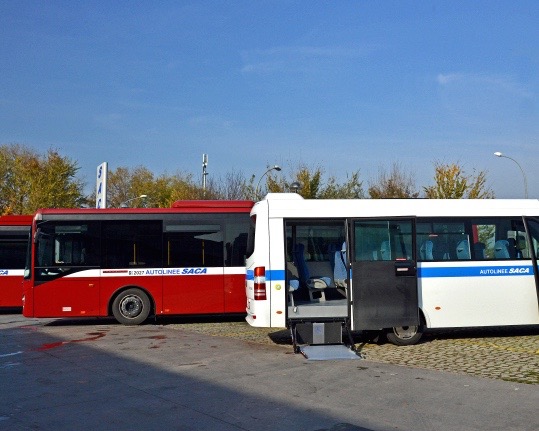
(533,229)
(443,239)
(194,245)
(235,241)
(13,252)
(500,239)
(131,244)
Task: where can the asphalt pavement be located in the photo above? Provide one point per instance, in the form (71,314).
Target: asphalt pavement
(96,374)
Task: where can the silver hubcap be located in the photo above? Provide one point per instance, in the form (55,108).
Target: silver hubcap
(131,306)
(405,332)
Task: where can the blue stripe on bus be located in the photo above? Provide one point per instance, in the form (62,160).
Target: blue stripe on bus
(432,272)
(475,271)
(275,274)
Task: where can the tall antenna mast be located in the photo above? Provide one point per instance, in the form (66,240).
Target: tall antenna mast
(204,173)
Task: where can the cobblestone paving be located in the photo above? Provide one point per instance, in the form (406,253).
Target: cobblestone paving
(510,354)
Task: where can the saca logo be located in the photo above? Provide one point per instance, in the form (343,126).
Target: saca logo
(520,270)
(197,271)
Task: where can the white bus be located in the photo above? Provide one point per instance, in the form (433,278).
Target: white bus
(397,266)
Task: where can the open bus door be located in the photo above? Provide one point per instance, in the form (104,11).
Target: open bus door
(384,274)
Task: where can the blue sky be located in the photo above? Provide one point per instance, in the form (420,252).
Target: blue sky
(345,85)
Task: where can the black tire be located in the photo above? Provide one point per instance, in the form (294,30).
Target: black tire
(131,307)
(374,337)
(404,335)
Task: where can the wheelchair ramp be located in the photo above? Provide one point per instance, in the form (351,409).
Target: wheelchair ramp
(328,352)
(322,341)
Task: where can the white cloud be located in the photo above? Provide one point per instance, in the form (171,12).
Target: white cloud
(494,82)
(293,58)
(444,79)
(110,120)
(210,121)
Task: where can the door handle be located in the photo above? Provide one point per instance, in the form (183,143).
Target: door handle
(404,268)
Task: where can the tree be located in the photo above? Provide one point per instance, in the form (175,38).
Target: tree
(125,184)
(30,181)
(352,188)
(392,185)
(451,182)
(312,185)
(232,187)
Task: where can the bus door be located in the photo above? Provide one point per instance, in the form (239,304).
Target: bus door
(532,224)
(384,275)
(193,281)
(66,271)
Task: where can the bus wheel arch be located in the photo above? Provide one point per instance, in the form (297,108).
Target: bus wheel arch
(131,305)
(406,335)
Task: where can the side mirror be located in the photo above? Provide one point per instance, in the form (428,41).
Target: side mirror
(37,234)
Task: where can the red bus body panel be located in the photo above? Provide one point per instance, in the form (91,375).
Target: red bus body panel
(11,289)
(173,291)
(67,296)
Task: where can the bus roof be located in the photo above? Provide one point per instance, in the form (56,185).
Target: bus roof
(213,204)
(16,220)
(178,207)
(292,205)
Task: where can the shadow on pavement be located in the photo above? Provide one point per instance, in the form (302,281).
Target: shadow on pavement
(143,378)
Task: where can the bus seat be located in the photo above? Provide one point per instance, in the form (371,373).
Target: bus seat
(385,251)
(443,251)
(340,274)
(332,249)
(425,251)
(479,250)
(317,254)
(293,282)
(501,249)
(293,285)
(521,247)
(512,248)
(463,250)
(314,284)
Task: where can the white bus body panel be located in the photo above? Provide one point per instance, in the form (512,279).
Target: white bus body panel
(489,294)
(283,205)
(258,312)
(276,287)
(446,301)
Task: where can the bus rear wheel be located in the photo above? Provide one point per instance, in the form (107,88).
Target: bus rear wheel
(131,307)
(404,335)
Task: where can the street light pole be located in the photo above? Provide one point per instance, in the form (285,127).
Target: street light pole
(124,203)
(273,168)
(498,154)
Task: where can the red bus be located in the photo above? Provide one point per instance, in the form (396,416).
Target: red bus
(136,262)
(14,235)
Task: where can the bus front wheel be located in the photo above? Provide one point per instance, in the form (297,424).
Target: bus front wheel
(404,335)
(131,307)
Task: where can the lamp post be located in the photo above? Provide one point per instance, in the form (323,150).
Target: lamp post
(294,187)
(124,204)
(498,154)
(273,168)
